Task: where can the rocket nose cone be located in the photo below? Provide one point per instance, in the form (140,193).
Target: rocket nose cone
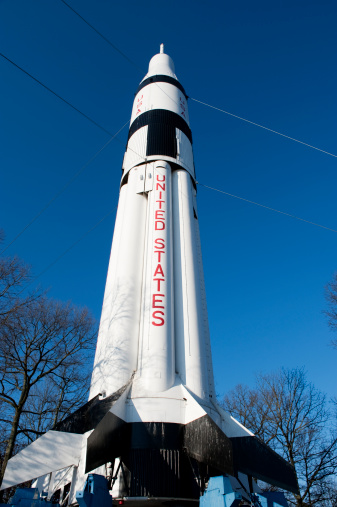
(161,64)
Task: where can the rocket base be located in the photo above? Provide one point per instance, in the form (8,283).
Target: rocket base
(169,459)
(158,463)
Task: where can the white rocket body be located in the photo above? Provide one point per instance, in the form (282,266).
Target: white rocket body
(152,414)
(154,317)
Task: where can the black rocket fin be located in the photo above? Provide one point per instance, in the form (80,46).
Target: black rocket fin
(253,457)
(205,442)
(90,414)
(106,442)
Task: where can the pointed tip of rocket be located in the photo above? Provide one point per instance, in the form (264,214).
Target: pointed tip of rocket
(161,64)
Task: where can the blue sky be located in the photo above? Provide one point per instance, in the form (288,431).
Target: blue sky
(273,63)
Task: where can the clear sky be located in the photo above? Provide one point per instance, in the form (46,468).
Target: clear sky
(272,62)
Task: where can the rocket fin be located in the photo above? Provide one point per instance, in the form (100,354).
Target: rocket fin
(106,442)
(253,457)
(90,414)
(53,451)
(230,426)
(205,442)
(107,439)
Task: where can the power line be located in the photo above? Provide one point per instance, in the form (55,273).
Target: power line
(199,183)
(115,48)
(62,189)
(56,94)
(103,37)
(266,207)
(113,136)
(67,102)
(265,128)
(70,247)
(195,100)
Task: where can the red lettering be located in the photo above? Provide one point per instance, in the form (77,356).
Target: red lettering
(155,300)
(159,225)
(159,242)
(159,215)
(159,254)
(159,271)
(161,320)
(158,280)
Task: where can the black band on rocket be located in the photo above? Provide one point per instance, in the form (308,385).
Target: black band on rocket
(161,79)
(161,117)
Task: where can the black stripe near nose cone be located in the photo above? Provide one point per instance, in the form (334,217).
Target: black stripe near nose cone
(161,116)
(161,79)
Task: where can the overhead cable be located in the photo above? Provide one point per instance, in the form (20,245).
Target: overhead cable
(69,248)
(103,37)
(115,47)
(196,100)
(266,207)
(67,102)
(263,127)
(69,182)
(56,94)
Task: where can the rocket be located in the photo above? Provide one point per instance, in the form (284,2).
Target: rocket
(152,424)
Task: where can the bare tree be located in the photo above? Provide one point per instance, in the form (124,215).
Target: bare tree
(331,297)
(39,348)
(14,275)
(52,399)
(292,417)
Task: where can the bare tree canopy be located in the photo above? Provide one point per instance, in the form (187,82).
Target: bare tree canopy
(14,275)
(291,416)
(45,348)
(331,297)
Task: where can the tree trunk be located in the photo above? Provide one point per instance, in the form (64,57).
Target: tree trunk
(13,434)
(58,406)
